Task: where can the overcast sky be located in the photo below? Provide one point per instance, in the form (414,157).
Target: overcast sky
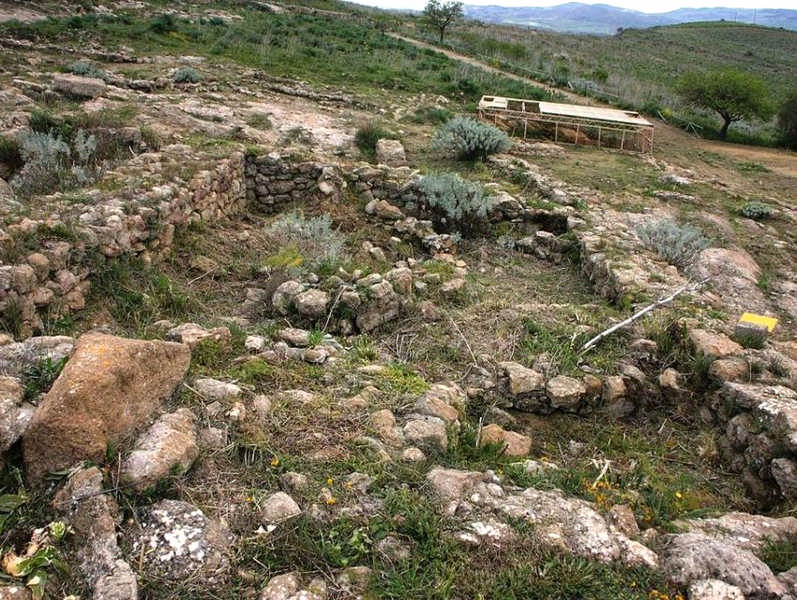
(650,6)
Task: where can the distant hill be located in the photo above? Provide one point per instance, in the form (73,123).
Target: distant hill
(603,19)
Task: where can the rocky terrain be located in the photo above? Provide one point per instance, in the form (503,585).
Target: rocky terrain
(239,359)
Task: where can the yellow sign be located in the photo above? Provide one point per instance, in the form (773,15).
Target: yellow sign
(759,320)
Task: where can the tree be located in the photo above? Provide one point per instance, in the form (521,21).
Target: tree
(441,14)
(734,94)
(787,121)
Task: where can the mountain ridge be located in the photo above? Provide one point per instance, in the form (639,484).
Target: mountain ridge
(604,19)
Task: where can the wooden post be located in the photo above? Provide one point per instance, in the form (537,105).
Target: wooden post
(622,140)
(556,131)
(599,137)
(578,128)
(525,126)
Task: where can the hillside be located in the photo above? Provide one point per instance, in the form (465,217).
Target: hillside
(602,19)
(639,68)
(265,336)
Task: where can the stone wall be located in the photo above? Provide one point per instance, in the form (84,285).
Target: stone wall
(47,260)
(275,182)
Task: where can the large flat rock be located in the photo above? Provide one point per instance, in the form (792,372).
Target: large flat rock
(109,387)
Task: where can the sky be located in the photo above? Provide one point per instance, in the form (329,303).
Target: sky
(649,6)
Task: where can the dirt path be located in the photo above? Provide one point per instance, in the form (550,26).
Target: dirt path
(485,67)
(778,161)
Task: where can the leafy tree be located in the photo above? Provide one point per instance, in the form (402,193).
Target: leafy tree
(734,94)
(441,14)
(787,121)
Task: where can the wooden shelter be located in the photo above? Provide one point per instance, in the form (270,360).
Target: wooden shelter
(588,125)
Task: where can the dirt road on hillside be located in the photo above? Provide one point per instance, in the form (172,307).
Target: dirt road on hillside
(778,161)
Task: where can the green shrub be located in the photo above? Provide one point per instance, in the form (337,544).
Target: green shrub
(305,242)
(86,69)
(10,155)
(368,135)
(677,244)
(756,210)
(431,114)
(787,122)
(186,75)
(468,139)
(163,23)
(454,204)
(50,163)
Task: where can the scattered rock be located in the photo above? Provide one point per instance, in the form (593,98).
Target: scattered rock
(565,393)
(290,587)
(168,447)
(691,557)
(14,414)
(521,380)
(784,471)
(300,338)
(514,444)
(391,153)
(279,507)
(427,432)
(192,334)
(215,390)
(16,358)
(733,368)
(180,541)
(14,592)
(384,210)
(311,303)
(714,589)
(76,422)
(413,454)
(715,345)
(93,517)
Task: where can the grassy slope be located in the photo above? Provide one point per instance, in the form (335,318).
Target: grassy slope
(641,64)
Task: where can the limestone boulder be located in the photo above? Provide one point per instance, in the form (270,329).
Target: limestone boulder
(109,387)
(75,85)
(691,557)
(391,153)
(168,446)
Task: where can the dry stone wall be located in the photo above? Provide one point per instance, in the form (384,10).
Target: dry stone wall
(47,260)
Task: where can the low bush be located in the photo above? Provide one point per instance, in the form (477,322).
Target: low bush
(304,242)
(10,156)
(454,204)
(186,75)
(86,69)
(677,244)
(50,163)
(756,210)
(468,139)
(368,135)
